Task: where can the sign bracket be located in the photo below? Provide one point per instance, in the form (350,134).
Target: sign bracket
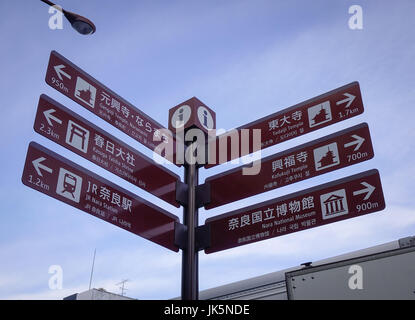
(180,235)
(182,190)
(202,193)
(203,237)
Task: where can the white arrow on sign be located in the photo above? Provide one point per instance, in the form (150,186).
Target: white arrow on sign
(49,117)
(350,98)
(37,164)
(368,190)
(358,142)
(60,72)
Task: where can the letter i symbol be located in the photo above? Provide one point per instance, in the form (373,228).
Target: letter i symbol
(181,115)
(205,118)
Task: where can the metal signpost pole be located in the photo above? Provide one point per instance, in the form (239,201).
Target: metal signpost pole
(190,259)
(191,120)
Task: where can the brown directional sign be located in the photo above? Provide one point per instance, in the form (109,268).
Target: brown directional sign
(76,84)
(57,177)
(343,199)
(339,150)
(68,129)
(334,106)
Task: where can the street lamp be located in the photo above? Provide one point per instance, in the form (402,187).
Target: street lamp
(79,23)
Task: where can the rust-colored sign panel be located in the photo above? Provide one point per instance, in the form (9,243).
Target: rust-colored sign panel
(68,129)
(82,88)
(343,199)
(319,112)
(339,150)
(57,177)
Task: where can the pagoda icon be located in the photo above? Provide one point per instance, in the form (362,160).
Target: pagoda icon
(321,116)
(328,160)
(85,92)
(86,95)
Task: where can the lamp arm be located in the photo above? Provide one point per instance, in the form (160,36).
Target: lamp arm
(50,3)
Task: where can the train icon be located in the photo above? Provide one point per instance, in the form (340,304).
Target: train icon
(69,185)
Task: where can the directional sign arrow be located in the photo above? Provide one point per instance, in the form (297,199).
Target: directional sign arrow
(368,190)
(49,117)
(350,98)
(37,164)
(60,72)
(358,142)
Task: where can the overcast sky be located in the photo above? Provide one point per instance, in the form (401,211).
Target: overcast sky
(245,59)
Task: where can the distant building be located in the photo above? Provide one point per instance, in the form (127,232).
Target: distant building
(96,294)
(392,263)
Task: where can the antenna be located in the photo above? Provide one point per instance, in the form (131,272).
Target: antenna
(122,287)
(92,269)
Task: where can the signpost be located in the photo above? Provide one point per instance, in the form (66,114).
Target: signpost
(82,88)
(332,107)
(342,199)
(68,129)
(57,177)
(186,117)
(339,150)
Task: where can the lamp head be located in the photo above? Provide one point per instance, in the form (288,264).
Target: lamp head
(81,24)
